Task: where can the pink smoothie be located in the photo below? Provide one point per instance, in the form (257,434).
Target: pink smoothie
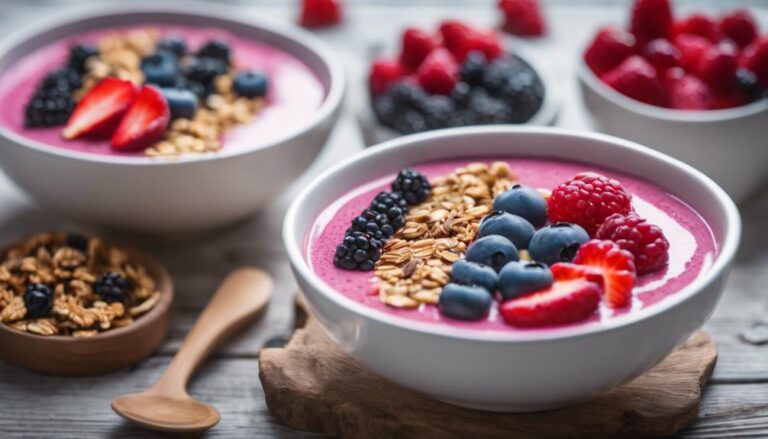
(692,244)
(295,93)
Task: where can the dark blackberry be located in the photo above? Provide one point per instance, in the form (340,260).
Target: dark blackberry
(358,251)
(79,54)
(48,108)
(393,205)
(747,82)
(112,287)
(65,80)
(407,95)
(216,49)
(485,110)
(473,68)
(500,71)
(385,110)
(38,299)
(374,223)
(173,44)
(412,185)
(77,242)
(204,71)
(437,111)
(461,93)
(409,122)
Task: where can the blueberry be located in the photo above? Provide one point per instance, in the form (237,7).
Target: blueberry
(173,44)
(518,278)
(557,243)
(494,251)
(160,69)
(38,299)
(472,273)
(182,103)
(525,202)
(515,228)
(216,49)
(112,287)
(251,84)
(464,302)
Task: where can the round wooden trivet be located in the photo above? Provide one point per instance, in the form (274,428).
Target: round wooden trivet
(311,384)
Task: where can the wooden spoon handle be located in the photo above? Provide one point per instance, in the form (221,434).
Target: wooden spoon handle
(240,298)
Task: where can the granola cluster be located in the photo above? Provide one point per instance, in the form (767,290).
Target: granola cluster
(70,267)
(416,262)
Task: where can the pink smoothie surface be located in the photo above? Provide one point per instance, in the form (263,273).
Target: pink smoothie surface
(295,93)
(692,244)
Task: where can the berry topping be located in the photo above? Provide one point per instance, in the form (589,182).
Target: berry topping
(144,123)
(160,69)
(565,301)
(358,251)
(318,13)
(728,99)
(691,47)
(38,299)
(472,70)
(112,287)
(515,228)
(383,73)
(557,243)
(739,26)
(77,242)
(525,202)
(454,32)
(637,79)
(392,205)
(464,302)
(697,24)
(520,278)
(182,103)
(412,185)
(174,44)
(756,59)
(587,200)
(523,17)
(216,49)
(651,19)
(494,250)
(485,42)
(688,93)
(376,224)
(101,109)
(662,55)
(634,234)
(610,47)
(616,267)
(250,84)
(717,67)
(52,102)
(203,71)
(438,73)
(464,272)
(79,54)
(417,44)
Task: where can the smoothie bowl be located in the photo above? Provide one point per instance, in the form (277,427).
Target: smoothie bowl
(495,268)
(129,106)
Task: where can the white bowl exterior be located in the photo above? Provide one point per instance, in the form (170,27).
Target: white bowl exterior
(510,372)
(733,150)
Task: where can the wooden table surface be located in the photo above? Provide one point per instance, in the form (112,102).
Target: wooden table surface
(31,405)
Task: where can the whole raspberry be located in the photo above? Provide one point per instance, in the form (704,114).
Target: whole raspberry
(438,73)
(319,13)
(688,93)
(651,19)
(523,17)
(610,47)
(383,73)
(739,26)
(416,45)
(697,24)
(645,241)
(587,199)
(717,67)
(637,79)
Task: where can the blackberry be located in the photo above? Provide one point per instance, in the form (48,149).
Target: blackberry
(438,110)
(384,109)
(472,70)
(373,223)
(48,108)
(485,110)
(461,93)
(79,54)
(77,242)
(412,185)
(358,251)
(38,299)
(500,71)
(65,80)
(393,205)
(410,121)
(173,44)
(216,49)
(204,71)
(407,95)
(112,287)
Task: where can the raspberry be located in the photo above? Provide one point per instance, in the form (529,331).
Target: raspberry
(756,59)
(637,79)
(691,47)
(485,42)
(651,19)
(523,17)
(383,73)
(717,67)
(662,55)
(614,264)
(697,24)
(453,33)
(728,99)
(318,13)
(416,45)
(645,241)
(688,93)
(610,47)
(438,73)
(587,199)
(739,26)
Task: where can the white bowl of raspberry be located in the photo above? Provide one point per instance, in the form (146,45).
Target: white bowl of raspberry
(165,119)
(701,99)
(493,332)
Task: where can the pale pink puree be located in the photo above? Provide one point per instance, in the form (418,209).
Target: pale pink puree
(692,244)
(294,96)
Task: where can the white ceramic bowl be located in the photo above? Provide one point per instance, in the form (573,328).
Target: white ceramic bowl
(191,193)
(728,145)
(514,372)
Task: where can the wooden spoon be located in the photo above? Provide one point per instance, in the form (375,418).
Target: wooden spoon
(167,406)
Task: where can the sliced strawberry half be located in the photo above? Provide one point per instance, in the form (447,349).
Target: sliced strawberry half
(616,266)
(144,123)
(566,301)
(100,110)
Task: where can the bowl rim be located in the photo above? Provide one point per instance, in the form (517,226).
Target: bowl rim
(295,250)
(590,80)
(163,307)
(332,101)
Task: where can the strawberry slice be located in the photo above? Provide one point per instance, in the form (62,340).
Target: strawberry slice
(144,123)
(566,301)
(563,271)
(100,110)
(616,266)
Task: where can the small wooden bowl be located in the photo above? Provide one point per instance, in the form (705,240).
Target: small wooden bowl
(104,352)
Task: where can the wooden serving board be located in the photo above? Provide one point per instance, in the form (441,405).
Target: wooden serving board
(311,384)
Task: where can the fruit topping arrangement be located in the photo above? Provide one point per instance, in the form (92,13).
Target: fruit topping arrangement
(147,92)
(697,62)
(477,237)
(68,284)
(458,76)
